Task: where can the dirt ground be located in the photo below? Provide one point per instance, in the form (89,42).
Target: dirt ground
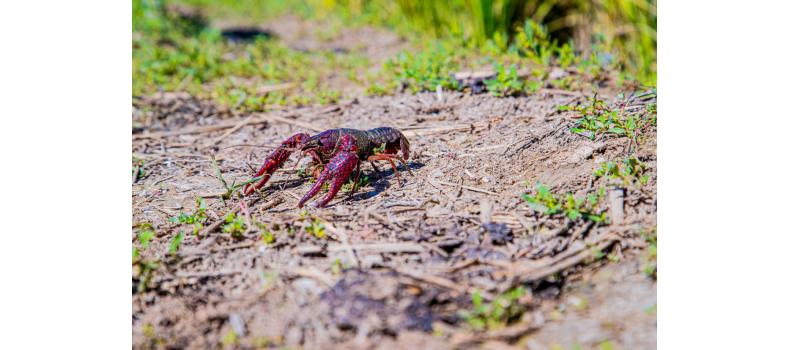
(398,262)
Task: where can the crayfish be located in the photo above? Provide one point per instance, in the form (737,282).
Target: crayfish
(339,152)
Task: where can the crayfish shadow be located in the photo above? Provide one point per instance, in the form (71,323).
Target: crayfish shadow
(385,178)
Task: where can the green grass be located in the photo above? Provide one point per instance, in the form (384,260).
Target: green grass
(138,169)
(544,201)
(234,225)
(196,219)
(624,32)
(175,243)
(266,235)
(316,228)
(144,268)
(649,260)
(506,82)
(498,313)
(596,118)
(623,173)
(172,52)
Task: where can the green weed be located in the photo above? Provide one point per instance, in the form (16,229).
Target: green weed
(547,203)
(424,70)
(496,314)
(597,118)
(606,345)
(138,171)
(174,53)
(506,82)
(267,236)
(196,219)
(623,173)
(338,267)
(649,261)
(230,339)
(234,225)
(143,269)
(176,242)
(145,233)
(316,228)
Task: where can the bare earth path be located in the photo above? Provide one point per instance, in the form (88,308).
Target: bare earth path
(397,263)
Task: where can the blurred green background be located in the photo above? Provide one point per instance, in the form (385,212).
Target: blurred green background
(171,52)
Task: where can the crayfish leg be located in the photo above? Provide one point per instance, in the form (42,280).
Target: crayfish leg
(389,158)
(356,181)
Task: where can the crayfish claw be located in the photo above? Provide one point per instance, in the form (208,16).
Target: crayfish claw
(275,160)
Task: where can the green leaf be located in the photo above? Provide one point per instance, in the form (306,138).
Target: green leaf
(176,242)
(144,236)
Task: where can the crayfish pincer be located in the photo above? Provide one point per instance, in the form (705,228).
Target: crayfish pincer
(339,152)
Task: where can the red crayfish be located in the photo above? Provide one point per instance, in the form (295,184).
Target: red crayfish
(342,151)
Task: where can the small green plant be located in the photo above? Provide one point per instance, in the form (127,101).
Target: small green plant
(143,269)
(546,202)
(606,345)
(234,225)
(267,236)
(496,314)
(649,263)
(230,339)
(338,267)
(623,173)
(196,219)
(176,242)
(533,43)
(597,118)
(424,70)
(316,228)
(506,82)
(145,233)
(652,113)
(138,171)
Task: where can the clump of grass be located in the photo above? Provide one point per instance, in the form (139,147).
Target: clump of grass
(316,228)
(175,243)
(544,201)
(623,173)
(171,52)
(424,70)
(143,268)
(196,219)
(234,225)
(266,235)
(230,339)
(174,53)
(649,261)
(496,314)
(625,29)
(338,267)
(145,233)
(138,171)
(597,118)
(506,82)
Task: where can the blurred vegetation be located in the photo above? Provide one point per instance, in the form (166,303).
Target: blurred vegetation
(179,50)
(626,29)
